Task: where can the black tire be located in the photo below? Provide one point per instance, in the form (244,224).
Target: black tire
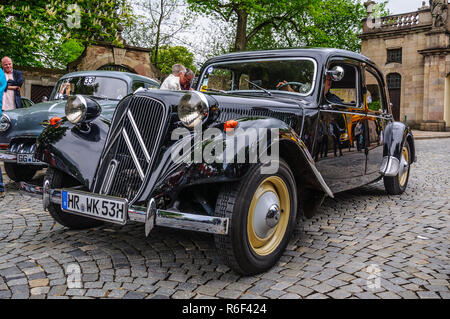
(234,202)
(397,185)
(58,180)
(20,173)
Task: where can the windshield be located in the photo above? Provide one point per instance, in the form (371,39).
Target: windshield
(100,87)
(282,75)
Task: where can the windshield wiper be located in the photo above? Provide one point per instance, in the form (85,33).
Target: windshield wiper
(258,87)
(219,91)
(98,97)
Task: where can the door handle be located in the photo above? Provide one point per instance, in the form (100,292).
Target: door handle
(327,107)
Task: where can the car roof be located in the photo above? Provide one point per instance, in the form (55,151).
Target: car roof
(120,75)
(322,53)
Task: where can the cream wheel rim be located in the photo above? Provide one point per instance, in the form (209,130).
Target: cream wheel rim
(404,167)
(268,216)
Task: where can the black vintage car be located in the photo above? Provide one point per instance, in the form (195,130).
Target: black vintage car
(265,136)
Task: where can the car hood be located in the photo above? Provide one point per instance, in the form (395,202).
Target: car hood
(27,121)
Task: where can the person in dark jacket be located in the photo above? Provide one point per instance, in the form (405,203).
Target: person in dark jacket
(11,96)
(2,89)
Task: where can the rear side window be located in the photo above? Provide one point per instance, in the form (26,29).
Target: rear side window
(374,93)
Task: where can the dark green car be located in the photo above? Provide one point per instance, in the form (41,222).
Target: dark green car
(20,128)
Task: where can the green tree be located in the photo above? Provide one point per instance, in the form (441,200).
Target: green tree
(34,32)
(261,24)
(157,24)
(251,16)
(168,56)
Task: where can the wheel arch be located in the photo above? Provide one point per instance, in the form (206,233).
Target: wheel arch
(303,167)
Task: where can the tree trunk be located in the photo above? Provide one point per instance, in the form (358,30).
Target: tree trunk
(241,32)
(158,35)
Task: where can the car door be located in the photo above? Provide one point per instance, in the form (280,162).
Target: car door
(376,103)
(339,153)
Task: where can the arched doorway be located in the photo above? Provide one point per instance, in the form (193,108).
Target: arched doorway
(117,68)
(394,81)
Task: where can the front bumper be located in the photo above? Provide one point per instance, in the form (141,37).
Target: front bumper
(19,149)
(163,218)
(7,156)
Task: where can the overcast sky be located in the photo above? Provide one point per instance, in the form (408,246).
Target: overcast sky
(404,6)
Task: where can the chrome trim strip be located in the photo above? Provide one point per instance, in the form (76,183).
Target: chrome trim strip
(313,87)
(109,175)
(7,156)
(138,135)
(133,154)
(199,223)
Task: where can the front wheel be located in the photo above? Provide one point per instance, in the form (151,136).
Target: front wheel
(262,212)
(57,180)
(397,185)
(20,173)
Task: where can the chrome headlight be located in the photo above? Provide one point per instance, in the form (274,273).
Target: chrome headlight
(80,109)
(5,123)
(193,109)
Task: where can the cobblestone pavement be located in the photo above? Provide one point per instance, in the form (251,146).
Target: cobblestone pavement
(363,244)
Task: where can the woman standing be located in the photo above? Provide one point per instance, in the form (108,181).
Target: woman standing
(3,84)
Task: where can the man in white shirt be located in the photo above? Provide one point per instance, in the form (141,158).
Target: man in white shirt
(173,81)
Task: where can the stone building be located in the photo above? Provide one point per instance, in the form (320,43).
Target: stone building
(412,51)
(102,56)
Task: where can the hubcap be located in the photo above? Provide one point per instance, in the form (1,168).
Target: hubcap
(268,216)
(404,167)
(273,216)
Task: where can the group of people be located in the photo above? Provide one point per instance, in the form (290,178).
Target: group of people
(11,82)
(180,79)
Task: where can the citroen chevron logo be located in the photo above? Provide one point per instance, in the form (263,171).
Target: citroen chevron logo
(141,144)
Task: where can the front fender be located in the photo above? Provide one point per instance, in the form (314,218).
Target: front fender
(72,150)
(170,177)
(395,136)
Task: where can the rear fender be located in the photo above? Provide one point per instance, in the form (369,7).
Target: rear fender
(395,135)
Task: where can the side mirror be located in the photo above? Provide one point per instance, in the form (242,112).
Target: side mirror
(44,99)
(337,73)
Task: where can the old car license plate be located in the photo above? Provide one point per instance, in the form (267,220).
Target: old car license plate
(27,159)
(105,208)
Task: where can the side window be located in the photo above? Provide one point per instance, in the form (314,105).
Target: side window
(137,85)
(151,85)
(345,91)
(373,92)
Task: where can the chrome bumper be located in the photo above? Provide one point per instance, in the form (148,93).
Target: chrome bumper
(7,156)
(390,166)
(163,218)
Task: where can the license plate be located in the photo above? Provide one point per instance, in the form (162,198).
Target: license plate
(105,208)
(27,159)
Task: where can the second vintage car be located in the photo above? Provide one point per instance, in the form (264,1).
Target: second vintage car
(20,128)
(261,140)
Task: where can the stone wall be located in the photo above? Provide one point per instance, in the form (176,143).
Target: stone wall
(135,59)
(425,63)
(38,76)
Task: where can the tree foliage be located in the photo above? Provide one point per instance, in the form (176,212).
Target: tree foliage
(251,16)
(35,32)
(261,24)
(168,56)
(158,23)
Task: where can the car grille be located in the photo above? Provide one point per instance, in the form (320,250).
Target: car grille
(132,145)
